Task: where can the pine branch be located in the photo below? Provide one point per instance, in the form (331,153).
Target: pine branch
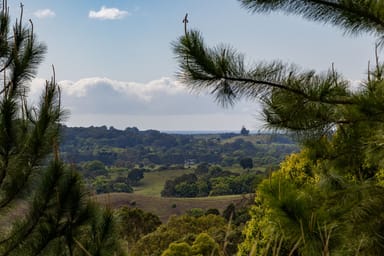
(295,100)
(292,90)
(39,206)
(205,68)
(36,145)
(352,16)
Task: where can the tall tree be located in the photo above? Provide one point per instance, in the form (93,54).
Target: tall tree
(44,207)
(340,131)
(246,163)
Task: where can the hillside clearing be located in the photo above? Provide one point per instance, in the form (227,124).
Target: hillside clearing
(153,182)
(164,207)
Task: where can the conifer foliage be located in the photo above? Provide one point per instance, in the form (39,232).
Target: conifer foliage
(328,199)
(44,207)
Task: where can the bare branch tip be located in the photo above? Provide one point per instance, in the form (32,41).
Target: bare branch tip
(185,21)
(53,74)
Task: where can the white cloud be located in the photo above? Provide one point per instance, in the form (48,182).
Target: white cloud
(164,104)
(44,13)
(140,91)
(108,14)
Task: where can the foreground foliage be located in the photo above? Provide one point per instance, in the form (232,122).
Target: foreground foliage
(189,235)
(44,207)
(328,199)
(134,223)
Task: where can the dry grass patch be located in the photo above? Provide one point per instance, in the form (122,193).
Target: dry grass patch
(164,207)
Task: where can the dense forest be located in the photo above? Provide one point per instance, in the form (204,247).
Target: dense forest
(130,147)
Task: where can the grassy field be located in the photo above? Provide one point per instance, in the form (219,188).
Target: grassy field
(166,207)
(253,138)
(256,139)
(153,182)
(147,197)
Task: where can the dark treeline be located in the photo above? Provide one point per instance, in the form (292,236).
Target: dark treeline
(132,147)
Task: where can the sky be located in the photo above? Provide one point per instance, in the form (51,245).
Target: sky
(114,61)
